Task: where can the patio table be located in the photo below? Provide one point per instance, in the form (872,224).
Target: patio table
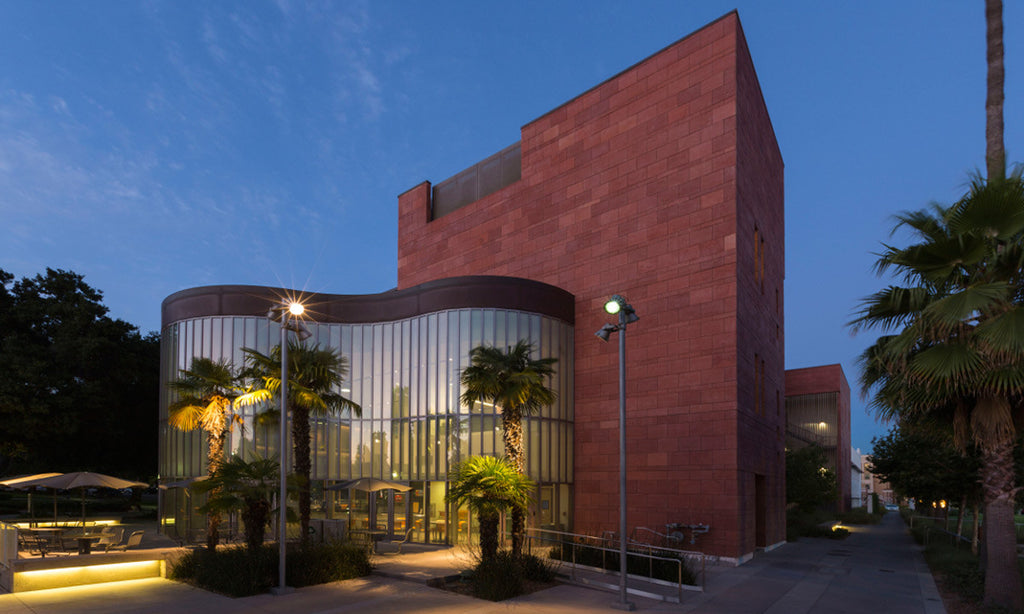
(85,541)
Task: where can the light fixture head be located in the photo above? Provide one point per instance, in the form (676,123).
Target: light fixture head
(615,304)
(296,308)
(606,331)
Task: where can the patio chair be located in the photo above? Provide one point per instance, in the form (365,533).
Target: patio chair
(401,542)
(30,544)
(133,540)
(111,538)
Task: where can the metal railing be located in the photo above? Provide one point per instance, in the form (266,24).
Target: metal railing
(572,545)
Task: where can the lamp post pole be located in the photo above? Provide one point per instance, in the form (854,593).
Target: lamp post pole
(282,521)
(627,315)
(623,603)
(287,309)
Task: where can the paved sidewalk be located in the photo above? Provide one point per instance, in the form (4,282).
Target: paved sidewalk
(876,569)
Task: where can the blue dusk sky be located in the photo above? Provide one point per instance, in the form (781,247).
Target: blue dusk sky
(154,146)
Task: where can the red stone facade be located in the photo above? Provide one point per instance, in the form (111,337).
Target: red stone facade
(663,184)
(829,379)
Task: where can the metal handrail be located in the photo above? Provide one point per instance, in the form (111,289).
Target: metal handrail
(610,544)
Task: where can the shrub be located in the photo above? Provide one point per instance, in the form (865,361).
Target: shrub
(239,571)
(537,569)
(860,515)
(233,571)
(498,578)
(328,562)
(505,575)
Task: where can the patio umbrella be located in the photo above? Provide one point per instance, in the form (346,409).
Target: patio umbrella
(371,485)
(17,480)
(83,480)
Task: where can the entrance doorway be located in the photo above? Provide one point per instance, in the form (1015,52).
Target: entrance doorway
(390,512)
(760,511)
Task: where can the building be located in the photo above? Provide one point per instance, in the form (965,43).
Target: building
(874,485)
(857,497)
(663,184)
(818,413)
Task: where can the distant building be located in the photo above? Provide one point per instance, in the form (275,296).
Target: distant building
(873,484)
(856,478)
(818,412)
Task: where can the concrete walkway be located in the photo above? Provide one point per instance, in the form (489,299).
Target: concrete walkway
(876,569)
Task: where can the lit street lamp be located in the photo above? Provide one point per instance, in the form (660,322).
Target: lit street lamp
(618,305)
(292,310)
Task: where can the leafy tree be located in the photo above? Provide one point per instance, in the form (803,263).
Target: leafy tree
(79,389)
(243,485)
(924,465)
(489,486)
(517,386)
(314,373)
(954,348)
(206,393)
(810,484)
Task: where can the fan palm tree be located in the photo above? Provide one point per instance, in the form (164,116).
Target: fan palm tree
(517,386)
(955,351)
(489,486)
(314,373)
(995,151)
(243,485)
(206,394)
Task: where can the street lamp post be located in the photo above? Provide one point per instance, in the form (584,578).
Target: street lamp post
(293,309)
(618,305)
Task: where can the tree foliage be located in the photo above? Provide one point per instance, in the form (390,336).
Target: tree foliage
(952,352)
(489,486)
(925,466)
(206,395)
(810,484)
(517,385)
(78,389)
(248,486)
(314,376)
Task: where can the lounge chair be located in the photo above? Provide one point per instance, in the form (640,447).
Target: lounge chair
(111,538)
(133,540)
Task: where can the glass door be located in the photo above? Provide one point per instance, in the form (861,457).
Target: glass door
(381,510)
(399,513)
(417,508)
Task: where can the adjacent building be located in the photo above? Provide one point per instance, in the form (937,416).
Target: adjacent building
(663,184)
(818,413)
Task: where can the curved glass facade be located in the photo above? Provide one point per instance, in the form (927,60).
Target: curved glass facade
(405,375)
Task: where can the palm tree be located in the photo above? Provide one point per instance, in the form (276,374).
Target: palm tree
(489,486)
(995,151)
(206,393)
(955,352)
(314,373)
(517,386)
(243,485)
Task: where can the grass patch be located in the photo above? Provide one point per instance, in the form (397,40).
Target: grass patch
(237,571)
(955,568)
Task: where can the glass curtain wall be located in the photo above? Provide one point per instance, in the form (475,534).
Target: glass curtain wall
(412,428)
